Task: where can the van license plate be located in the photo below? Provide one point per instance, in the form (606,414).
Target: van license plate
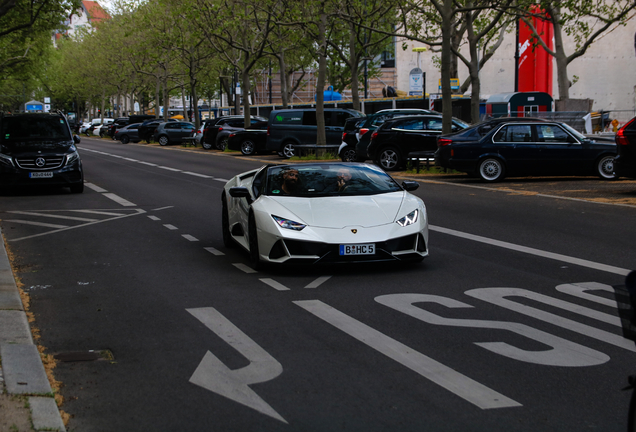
(41,175)
(357,249)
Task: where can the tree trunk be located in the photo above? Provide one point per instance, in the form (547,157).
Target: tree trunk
(183,104)
(447,102)
(157,101)
(283,79)
(321,137)
(246,96)
(353,64)
(563,82)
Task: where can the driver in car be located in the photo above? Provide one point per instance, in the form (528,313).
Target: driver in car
(290,181)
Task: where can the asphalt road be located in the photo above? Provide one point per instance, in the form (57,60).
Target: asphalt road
(510,324)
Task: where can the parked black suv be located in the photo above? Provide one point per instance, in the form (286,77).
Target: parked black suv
(38,149)
(625,162)
(212,128)
(394,140)
(372,122)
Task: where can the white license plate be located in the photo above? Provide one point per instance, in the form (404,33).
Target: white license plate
(41,175)
(357,249)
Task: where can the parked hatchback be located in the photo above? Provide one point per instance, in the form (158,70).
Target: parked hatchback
(128,133)
(392,143)
(37,150)
(526,148)
(625,163)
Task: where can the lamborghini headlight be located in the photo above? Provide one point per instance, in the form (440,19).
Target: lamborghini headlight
(409,219)
(289,224)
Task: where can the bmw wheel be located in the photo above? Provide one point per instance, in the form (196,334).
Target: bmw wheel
(163,140)
(348,154)
(248,147)
(288,150)
(124,139)
(255,257)
(491,170)
(390,159)
(605,168)
(221,144)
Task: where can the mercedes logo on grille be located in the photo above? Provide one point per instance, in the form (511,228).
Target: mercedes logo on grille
(40,162)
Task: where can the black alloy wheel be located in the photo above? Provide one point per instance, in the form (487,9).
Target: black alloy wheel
(248,147)
(348,154)
(125,139)
(390,159)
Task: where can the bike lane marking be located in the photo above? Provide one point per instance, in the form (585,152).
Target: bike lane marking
(449,379)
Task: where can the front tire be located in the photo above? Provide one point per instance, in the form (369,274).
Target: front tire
(221,144)
(491,170)
(255,257)
(288,150)
(225,224)
(605,168)
(348,154)
(77,188)
(390,159)
(163,140)
(248,147)
(124,139)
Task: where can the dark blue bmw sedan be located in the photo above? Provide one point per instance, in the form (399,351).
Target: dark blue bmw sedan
(513,148)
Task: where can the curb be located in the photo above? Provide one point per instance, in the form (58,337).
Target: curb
(20,362)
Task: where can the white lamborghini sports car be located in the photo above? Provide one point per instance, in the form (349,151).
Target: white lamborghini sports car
(327,212)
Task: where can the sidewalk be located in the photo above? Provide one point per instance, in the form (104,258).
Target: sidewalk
(21,369)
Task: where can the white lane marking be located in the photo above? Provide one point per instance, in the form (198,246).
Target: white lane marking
(147,163)
(170,227)
(42,224)
(244,268)
(578,290)
(464,387)
(54,216)
(132,160)
(134,212)
(318,282)
(197,174)
(94,187)
(509,191)
(100,212)
(119,200)
(221,179)
(532,251)
(154,218)
(190,238)
(497,296)
(169,168)
(276,285)
(214,251)
(213,375)
(162,208)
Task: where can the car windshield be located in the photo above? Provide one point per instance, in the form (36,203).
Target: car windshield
(574,132)
(328,179)
(31,128)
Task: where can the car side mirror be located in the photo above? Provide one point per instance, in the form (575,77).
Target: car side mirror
(76,139)
(240,192)
(410,185)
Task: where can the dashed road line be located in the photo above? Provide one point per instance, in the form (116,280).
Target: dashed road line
(318,282)
(170,227)
(197,174)
(276,285)
(94,187)
(154,218)
(244,268)
(214,251)
(119,200)
(190,238)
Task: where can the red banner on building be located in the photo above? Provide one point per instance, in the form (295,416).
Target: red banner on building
(535,64)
